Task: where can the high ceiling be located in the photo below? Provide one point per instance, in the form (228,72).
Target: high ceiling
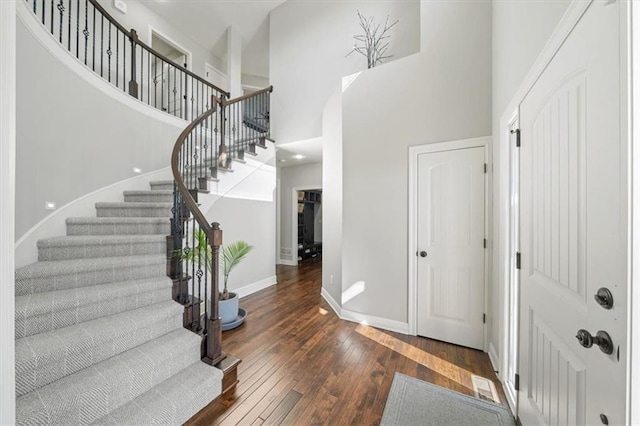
(207,21)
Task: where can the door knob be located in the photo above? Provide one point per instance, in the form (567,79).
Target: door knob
(604,298)
(423,253)
(601,339)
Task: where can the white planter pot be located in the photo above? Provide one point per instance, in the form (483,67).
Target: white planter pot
(229,308)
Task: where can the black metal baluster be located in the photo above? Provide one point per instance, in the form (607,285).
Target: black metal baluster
(51,19)
(148,77)
(109,53)
(162,87)
(78,29)
(117,51)
(93,62)
(35,8)
(60,8)
(124,62)
(101,45)
(69,26)
(175,92)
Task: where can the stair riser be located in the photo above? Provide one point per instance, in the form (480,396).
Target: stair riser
(133,212)
(148,198)
(161,186)
(52,320)
(88,278)
(36,373)
(103,396)
(119,229)
(101,250)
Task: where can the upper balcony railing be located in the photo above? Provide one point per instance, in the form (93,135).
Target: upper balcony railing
(95,38)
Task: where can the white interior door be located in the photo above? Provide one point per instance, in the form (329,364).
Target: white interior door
(450,280)
(574,230)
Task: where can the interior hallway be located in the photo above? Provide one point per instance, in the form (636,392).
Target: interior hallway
(303,365)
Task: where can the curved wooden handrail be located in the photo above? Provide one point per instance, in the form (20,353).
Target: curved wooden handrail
(133,35)
(226,102)
(188,199)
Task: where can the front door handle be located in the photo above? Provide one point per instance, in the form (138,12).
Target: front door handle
(601,339)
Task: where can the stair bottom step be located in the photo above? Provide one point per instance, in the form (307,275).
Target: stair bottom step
(173,401)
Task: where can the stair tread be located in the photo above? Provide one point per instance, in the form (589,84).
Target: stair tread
(83,240)
(69,305)
(46,275)
(49,356)
(109,220)
(161,182)
(150,192)
(56,267)
(133,205)
(173,401)
(96,391)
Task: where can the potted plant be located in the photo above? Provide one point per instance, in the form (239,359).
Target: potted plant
(232,255)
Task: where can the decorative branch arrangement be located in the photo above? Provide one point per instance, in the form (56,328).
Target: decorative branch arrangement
(374,39)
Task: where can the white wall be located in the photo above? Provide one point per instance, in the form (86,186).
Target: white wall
(308,44)
(332,196)
(140,18)
(7,200)
(307,176)
(68,145)
(444,93)
(520,31)
(251,221)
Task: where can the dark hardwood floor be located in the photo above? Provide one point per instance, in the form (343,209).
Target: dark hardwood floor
(303,365)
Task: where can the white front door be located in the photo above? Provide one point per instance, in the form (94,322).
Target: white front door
(574,230)
(450,245)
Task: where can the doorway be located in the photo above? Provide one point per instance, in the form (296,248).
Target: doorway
(169,91)
(308,224)
(448,224)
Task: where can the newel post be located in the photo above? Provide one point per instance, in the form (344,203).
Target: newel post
(213,349)
(133,84)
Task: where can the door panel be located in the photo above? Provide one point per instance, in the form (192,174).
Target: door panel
(451,231)
(573,229)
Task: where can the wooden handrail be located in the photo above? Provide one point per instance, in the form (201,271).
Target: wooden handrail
(132,35)
(225,102)
(192,205)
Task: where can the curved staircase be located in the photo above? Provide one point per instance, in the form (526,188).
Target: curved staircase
(98,337)
(116,323)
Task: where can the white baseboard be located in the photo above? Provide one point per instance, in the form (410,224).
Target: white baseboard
(287,262)
(374,321)
(255,287)
(360,318)
(332,302)
(493,357)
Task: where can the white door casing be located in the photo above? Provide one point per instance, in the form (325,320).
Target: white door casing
(451,231)
(574,230)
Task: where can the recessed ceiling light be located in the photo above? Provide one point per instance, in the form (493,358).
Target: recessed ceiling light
(298,156)
(282,160)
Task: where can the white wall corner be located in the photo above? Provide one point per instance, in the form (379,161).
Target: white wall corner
(256,287)
(332,302)
(7,209)
(493,357)
(234,62)
(287,262)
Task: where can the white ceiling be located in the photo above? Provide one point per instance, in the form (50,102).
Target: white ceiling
(207,21)
(310,150)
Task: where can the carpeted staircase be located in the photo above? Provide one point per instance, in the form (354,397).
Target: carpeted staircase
(99,339)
